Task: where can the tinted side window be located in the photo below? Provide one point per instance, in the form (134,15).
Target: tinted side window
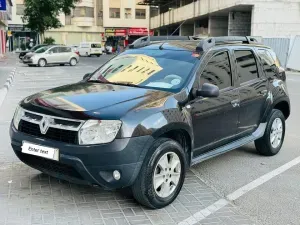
(267,61)
(274,56)
(55,50)
(64,49)
(246,65)
(218,71)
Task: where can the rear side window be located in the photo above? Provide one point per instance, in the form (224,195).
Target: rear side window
(218,71)
(267,61)
(65,49)
(246,65)
(96,45)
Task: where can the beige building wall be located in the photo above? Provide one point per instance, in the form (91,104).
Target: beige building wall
(125,6)
(79,27)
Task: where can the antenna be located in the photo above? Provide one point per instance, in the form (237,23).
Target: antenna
(161,46)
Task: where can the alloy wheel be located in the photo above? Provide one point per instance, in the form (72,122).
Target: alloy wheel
(167,174)
(276,133)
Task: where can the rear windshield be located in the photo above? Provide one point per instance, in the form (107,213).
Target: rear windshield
(96,45)
(158,69)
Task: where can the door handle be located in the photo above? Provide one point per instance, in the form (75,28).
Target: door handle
(235,103)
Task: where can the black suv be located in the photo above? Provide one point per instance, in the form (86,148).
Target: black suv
(147,115)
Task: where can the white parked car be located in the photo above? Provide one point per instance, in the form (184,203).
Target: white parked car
(51,55)
(90,48)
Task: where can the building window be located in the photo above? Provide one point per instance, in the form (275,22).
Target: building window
(84,12)
(140,13)
(68,19)
(20,9)
(114,12)
(127,13)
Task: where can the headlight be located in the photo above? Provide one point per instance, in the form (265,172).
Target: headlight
(99,131)
(17,117)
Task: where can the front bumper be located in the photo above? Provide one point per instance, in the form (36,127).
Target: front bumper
(91,165)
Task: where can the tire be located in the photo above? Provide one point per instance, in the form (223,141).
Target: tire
(73,62)
(143,188)
(264,145)
(42,63)
(98,56)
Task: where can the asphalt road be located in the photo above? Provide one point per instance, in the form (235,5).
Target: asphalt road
(275,202)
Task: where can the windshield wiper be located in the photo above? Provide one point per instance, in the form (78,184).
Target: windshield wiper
(115,83)
(97,81)
(125,84)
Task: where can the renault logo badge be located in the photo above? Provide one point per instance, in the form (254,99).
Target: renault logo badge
(44,125)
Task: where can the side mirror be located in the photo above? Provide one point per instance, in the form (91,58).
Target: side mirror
(86,76)
(208,90)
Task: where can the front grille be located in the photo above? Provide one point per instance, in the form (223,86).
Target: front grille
(55,134)
(49,165)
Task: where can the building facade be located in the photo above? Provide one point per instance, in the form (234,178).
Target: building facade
(266,18)
(91,20)
(5,15)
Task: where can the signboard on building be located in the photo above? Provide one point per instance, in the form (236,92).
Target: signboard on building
(3,5)
(139,31)
(9,34)
(18,27)
(115,32)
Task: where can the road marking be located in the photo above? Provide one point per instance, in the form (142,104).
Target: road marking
(197,217)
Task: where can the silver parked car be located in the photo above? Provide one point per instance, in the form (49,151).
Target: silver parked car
(51,55)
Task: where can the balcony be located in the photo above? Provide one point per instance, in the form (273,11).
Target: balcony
(83,21)
(87,3)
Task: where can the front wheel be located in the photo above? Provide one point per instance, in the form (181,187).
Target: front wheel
(162,174)
(271,143)
(42,63)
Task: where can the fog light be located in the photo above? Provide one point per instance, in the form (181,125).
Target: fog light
(117,175)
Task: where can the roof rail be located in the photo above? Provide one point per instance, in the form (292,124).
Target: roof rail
(144,41)
(207,43)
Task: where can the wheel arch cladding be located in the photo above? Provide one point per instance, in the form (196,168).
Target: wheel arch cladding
(284,107)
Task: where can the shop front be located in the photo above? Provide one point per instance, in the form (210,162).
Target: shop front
(115,37)
(21,37)
(137,32)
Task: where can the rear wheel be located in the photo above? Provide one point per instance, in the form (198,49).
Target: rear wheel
(162,175)
(42,63)
(98,55)
(73,62)
(271,143)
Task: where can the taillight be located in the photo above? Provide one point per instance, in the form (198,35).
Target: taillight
(77,52)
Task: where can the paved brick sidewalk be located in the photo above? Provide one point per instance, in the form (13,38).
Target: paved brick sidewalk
(29,197)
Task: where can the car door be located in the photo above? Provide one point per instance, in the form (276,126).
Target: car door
(53,55)
(65,54)
(215,119)
(253,90)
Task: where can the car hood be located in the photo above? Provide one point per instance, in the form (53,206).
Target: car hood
(83,97)
(30,54)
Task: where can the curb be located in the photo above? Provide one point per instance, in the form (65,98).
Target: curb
(7,85)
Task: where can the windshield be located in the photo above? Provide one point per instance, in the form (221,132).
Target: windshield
(36,47)
(42,50)
(160,69)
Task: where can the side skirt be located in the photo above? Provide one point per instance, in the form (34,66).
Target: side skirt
(231,146)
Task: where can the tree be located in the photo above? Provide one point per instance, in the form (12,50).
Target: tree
(42,15)
(49,41)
